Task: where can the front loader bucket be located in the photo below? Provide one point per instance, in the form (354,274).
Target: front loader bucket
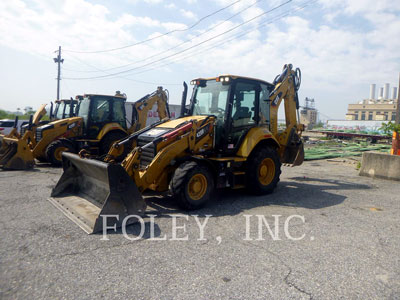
(15,154)
(90,189)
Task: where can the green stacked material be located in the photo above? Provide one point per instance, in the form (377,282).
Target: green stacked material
(342,150)
(351,131)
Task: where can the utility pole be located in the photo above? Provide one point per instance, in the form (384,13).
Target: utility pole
(398,104)
(59,61)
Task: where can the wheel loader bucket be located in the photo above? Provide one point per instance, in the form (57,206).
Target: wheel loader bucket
(89,190)
(15,154)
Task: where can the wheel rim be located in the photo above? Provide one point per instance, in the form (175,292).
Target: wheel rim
(58,153)
(197,186)
(266,171)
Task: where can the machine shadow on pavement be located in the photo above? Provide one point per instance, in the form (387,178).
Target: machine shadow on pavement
(305,192)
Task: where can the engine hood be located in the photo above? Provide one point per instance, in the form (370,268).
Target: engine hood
(175,123)
(61,122)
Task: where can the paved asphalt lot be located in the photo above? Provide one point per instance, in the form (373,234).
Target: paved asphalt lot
(350,249)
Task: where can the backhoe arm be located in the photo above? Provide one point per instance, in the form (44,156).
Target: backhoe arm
(286,87)
(142,107)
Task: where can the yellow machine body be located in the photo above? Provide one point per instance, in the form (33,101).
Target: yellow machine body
(228,138)
(15,149)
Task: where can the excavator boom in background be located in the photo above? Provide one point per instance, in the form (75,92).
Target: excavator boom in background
(226,137)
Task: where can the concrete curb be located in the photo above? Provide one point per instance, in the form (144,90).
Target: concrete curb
(380,165)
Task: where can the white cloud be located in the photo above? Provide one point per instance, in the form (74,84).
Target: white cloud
(337,63)
(170,6)
(188,14)
(145,1)
(338,60)
(74,24)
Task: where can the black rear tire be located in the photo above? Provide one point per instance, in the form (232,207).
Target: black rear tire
(55,149)
(263,171)
(191,185)
(42,159)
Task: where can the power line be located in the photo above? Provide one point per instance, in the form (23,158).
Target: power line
(184,50)
(174,47)
(234,37)
(122,77)
(159,36)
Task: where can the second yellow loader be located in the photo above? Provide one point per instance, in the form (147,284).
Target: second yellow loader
(98,121)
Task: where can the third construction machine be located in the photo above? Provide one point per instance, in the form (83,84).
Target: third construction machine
(227,137)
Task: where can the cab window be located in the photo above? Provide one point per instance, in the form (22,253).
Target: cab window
(211,99)
(100,111)
(244,103)
(60,110)
(119,112)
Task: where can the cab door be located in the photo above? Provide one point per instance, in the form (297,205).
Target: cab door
(243,112)
(100,115)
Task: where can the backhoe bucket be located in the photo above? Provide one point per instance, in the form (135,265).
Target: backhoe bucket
(15,154)
(300,156)
(89,190)
(293,154)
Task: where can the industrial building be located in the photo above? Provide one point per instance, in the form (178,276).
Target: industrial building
(382,108)
(308,113)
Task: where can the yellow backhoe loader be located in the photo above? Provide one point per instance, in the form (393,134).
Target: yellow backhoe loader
(15,150)
(64,108)
(100,121)
(227,137)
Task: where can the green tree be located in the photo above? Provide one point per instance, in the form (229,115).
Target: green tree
(389,128)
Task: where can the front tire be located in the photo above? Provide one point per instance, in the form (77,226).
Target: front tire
(191,185)
(55,149)
(109,139)
(263,171)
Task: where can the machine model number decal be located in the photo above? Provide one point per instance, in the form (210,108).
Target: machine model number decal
(202,132)
(275,102)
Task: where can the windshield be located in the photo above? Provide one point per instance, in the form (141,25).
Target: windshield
(83,109)
(211,99)
(59,110)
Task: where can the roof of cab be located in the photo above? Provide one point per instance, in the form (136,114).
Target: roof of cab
(235,77)
(122,96)
(66,100)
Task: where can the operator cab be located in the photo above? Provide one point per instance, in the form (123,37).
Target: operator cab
(238,103)
(99,110)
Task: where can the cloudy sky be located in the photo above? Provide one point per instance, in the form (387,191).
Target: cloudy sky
(133,46)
